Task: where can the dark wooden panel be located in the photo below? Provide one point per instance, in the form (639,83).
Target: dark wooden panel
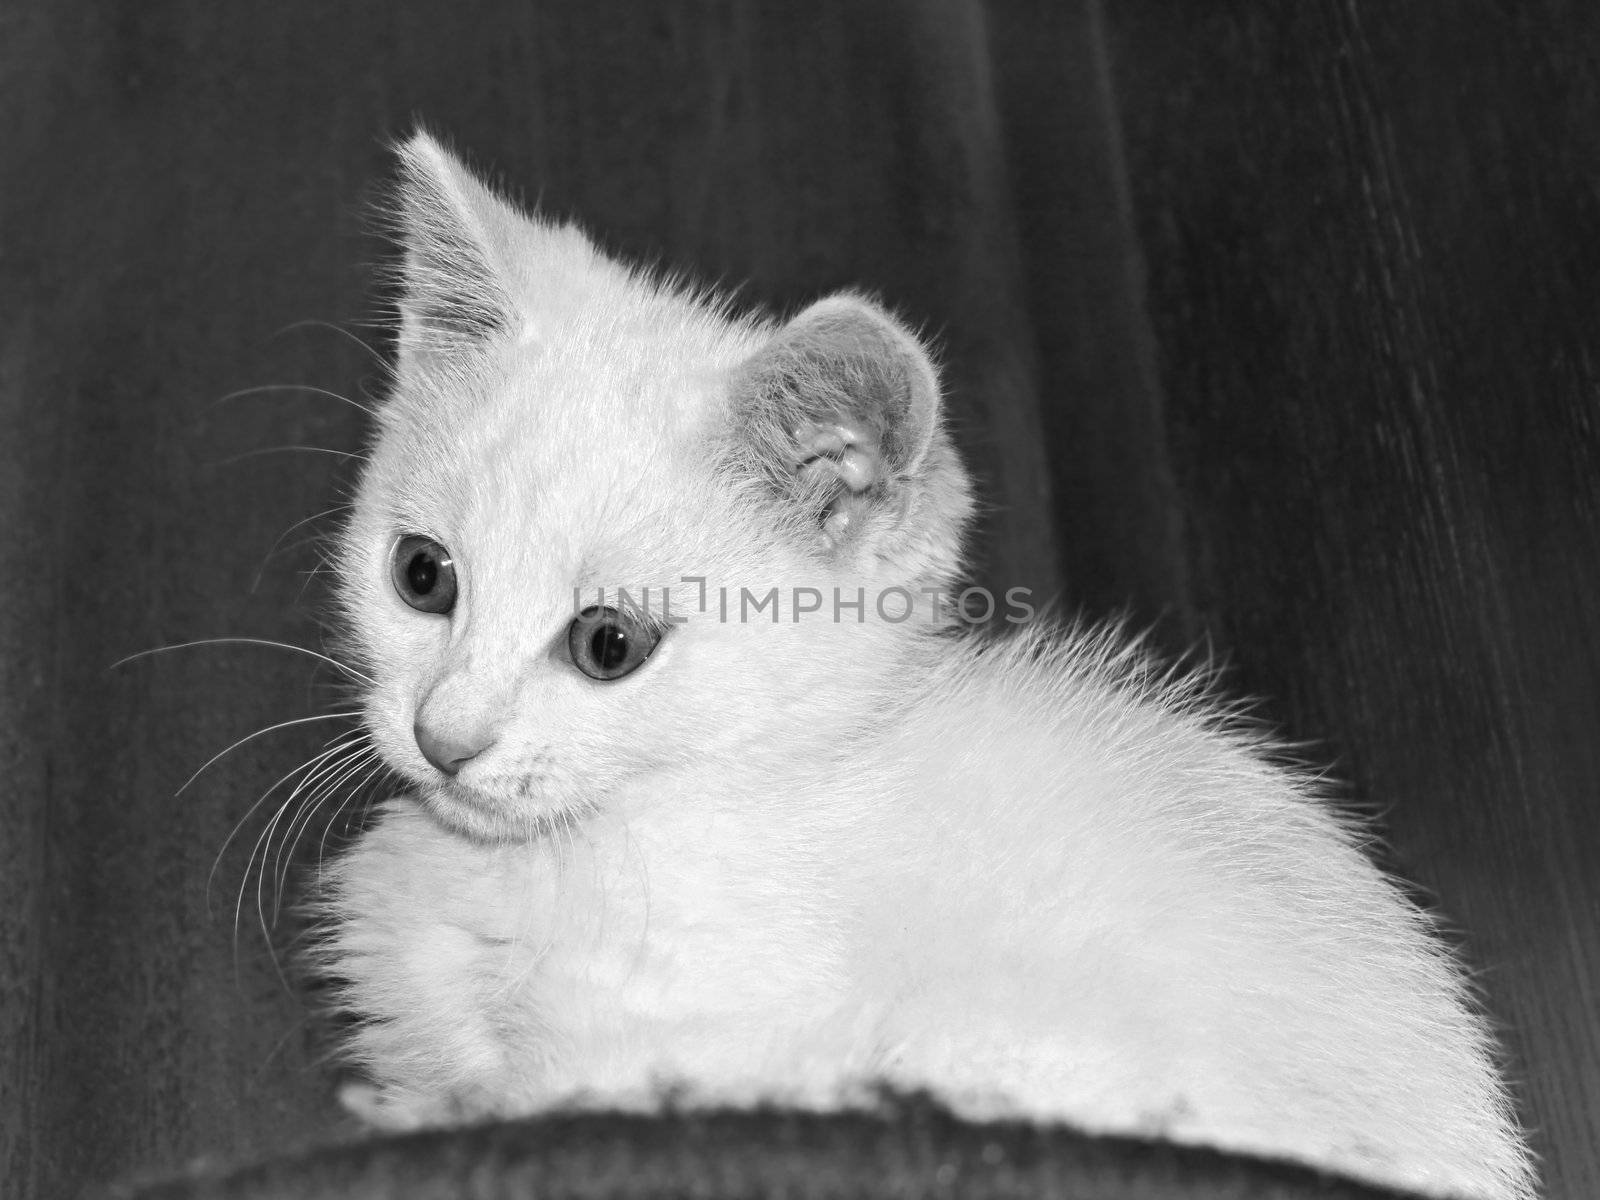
(1373,237)
(1116,509)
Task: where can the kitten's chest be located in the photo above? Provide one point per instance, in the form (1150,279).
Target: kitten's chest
(602,960)
(685,923)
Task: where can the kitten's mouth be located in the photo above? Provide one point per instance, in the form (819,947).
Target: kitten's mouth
(515,813)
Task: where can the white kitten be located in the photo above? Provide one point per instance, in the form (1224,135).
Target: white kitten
(794,853)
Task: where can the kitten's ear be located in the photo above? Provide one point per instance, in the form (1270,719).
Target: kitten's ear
(838,415)
(455,233)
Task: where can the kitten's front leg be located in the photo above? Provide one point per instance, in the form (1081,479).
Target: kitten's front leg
(391,1109)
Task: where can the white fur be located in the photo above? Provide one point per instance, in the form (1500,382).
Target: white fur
(786,860)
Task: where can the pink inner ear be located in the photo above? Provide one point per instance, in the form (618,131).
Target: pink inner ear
(837,416)
(847,451)
(849,454)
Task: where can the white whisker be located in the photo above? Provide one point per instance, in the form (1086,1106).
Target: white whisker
(264,838)
(312,767)
(242,641)
(314,801)
(265,450)
(310,787)
(281,780)
(267,388)
(324,563)
(376,769)
(263,844)
(327,512)
(314,323)
(250,737)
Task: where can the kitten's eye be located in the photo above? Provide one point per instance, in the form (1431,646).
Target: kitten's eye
(608,643)
(423,574)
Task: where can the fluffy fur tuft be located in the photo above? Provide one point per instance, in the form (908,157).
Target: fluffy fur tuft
(806,850)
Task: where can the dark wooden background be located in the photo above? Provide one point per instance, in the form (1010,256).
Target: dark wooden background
(1272,325)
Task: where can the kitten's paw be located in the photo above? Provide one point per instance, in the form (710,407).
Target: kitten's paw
(363,1101)
(388,1109)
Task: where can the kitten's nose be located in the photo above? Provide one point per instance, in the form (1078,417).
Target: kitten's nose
(447,752)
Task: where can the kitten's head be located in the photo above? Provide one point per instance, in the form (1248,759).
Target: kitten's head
(562,427)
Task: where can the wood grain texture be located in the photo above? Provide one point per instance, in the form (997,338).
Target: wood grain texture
(1373,236)
(1116,511)
(1271,324)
